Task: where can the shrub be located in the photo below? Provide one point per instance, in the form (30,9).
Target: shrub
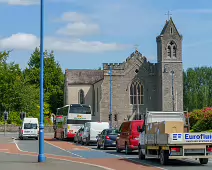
(201,120)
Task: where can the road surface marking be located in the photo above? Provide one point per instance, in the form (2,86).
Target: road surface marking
(47,153)
(65,150)
(129,158)
(62,159)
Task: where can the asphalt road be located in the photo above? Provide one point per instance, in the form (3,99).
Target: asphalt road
(32,145)
(94,153)
(20,162)
(133,157)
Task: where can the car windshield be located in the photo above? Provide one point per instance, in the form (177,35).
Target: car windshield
(30,126)
(112,132)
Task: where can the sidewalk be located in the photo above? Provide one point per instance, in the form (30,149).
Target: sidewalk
(20,162)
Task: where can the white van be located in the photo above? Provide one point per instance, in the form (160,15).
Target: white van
(91,130)
(29,129)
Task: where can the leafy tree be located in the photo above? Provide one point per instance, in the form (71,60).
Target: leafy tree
(53,77)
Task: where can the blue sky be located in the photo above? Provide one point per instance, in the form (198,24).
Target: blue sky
(86,33)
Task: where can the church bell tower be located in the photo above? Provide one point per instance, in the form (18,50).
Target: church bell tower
(170,69)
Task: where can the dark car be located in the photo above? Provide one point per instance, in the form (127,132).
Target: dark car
(78,137)
(107,138)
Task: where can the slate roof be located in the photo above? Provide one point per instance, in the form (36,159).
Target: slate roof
(83,76)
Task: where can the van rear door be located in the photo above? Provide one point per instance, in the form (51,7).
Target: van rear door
(134,137)
(30,129)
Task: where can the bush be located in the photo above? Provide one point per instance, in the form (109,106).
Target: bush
(201,120)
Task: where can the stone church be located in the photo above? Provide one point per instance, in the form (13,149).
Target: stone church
(137,84)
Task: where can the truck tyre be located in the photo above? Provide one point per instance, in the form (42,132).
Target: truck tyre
(164,157)
(141,156)
(203,160)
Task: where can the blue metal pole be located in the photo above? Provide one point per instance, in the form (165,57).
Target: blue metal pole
(173,89)
(111,115)
(41,156)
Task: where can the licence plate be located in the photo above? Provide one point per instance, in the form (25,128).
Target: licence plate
(136,138)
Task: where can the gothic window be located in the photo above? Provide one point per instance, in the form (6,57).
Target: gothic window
(171,30)
(136,93)
(97,98)
(174,51)
(81,97)
(94,102)
(169,51)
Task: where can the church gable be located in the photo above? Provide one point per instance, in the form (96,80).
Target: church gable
(170,29)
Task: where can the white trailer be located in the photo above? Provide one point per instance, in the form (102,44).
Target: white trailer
(175,145)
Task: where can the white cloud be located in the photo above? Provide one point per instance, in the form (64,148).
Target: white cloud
(23,41)
(20,2)
(78,25)
(79,29)
(73,17)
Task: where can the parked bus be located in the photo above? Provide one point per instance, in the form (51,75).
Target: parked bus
(69,119)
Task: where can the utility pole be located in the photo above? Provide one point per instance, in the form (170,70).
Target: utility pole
(41,155)
(111,115)
(172,72)
(138,106)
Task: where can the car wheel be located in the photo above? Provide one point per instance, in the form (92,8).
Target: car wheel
(98,146)
(104,147)
(126,149)
(141,156)
(117,148)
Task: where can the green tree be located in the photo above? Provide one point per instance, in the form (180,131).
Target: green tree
(53,77)
(197,88)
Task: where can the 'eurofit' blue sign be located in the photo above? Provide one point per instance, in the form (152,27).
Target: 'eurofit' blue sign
(198,137)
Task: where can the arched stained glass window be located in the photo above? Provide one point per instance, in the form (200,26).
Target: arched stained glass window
(136,93)
(81,97)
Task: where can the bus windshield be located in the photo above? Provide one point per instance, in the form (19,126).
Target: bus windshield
(80,110)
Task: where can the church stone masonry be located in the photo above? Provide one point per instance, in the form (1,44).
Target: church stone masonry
(134,81)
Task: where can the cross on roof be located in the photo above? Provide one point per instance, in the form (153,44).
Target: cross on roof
(136,47)
(168,14)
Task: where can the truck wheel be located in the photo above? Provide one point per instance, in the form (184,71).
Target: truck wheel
(203,160)
(164,157)
(140,154)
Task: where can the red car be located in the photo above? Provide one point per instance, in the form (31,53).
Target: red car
(128,137)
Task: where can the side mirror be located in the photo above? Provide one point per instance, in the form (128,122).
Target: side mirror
(97,137)
(140,129)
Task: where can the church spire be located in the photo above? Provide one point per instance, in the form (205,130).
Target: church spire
(169,27)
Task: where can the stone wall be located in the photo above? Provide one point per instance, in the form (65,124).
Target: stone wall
(13,128)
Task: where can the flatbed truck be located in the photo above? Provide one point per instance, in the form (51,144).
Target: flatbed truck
(174,145)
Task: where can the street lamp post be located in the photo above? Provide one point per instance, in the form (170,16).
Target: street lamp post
(172,72)
(111,115)
(41,155)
